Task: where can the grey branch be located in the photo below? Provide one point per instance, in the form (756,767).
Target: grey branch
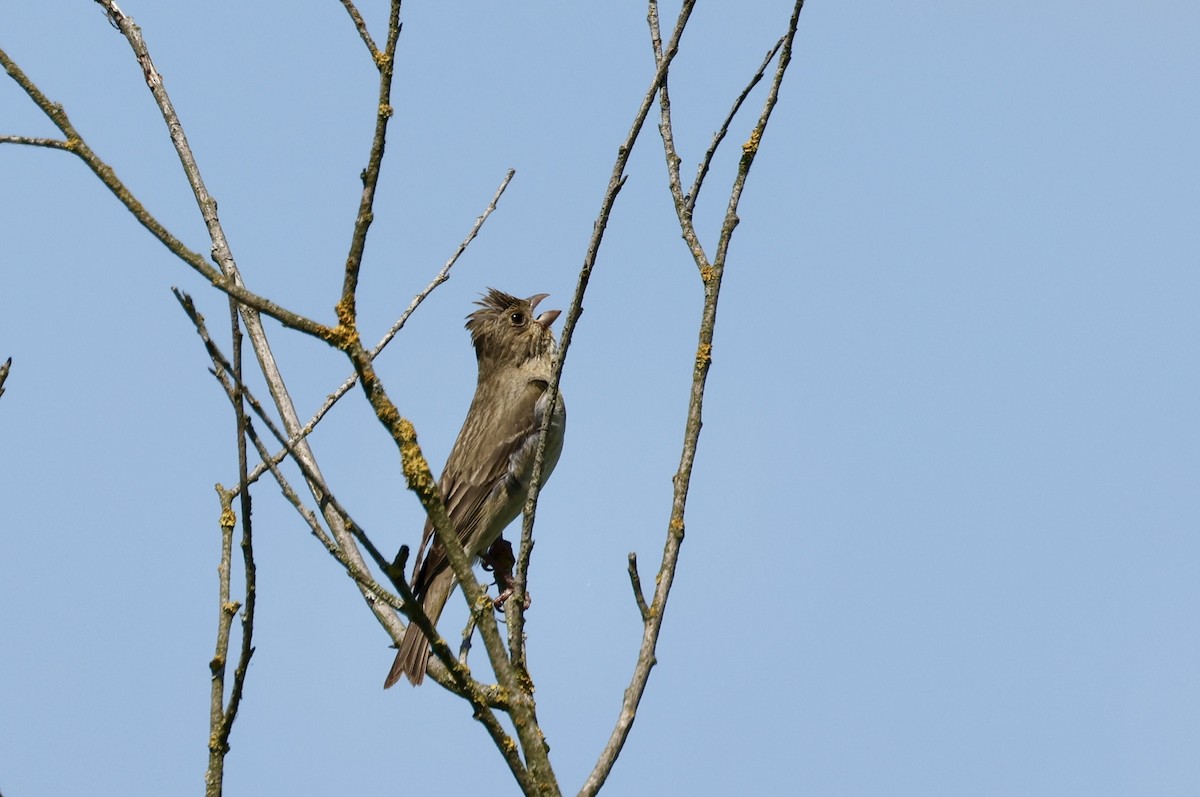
(33,141)
(711,276)
(361,25)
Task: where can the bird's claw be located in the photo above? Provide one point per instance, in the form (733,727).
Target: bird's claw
(500,560)
(503,597)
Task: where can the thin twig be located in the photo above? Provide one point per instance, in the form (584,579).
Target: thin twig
(346,312)
(4,369)
(666,131)
(719,136)
(223,715)
(32,141)
(750,148)
(249,569)
(635,581)
(218,740)
(361,25)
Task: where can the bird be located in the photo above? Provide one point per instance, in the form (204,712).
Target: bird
(486,478)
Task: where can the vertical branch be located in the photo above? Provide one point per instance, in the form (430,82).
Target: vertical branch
(666,131)
(750,148)
(615,183)
(219,727)
(386,62)
(711,275)
(221,722)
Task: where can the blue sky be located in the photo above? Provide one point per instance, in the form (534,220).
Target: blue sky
(942,534)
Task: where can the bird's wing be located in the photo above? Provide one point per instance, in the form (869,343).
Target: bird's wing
(475,491)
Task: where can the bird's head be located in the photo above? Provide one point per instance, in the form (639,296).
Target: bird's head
(506,332)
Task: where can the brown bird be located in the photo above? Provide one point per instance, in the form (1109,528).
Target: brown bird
(486,479)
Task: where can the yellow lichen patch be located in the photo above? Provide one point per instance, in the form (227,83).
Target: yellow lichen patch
(385,110)
(389,416)
(526,681)
(676,526)
(345,310)
(231,607)
(228,518)
(343,336)
(416,469)
(751,146)
(707,273)
(703,355)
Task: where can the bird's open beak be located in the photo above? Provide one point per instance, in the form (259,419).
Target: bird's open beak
(547,318)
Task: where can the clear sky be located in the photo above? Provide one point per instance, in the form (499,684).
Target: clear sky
(944,532)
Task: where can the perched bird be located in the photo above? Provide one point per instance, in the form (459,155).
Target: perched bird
(486,479)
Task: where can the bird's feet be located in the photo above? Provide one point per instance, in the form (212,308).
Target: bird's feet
(500,560)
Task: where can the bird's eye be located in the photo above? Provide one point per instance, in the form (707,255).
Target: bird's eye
(517,318)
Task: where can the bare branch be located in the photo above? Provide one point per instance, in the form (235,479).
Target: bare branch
(218,740)
(666,131)
(361,25)
(711,275)
(750,148)
(635,581)
(222,716)
(4,369)
(249,570)
(370,175)
(719,136)
(51,143)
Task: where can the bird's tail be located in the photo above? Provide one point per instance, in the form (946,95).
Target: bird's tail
(413,655)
